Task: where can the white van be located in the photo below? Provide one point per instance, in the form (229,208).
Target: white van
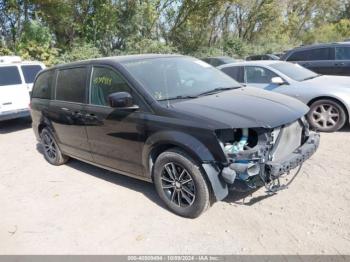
(16,83)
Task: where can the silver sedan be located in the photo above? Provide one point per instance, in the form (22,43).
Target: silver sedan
(327,96)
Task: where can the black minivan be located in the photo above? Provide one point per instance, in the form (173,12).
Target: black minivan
(172,120)
(326,59)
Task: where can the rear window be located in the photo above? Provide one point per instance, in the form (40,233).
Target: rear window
(30,72)
(43,85)
(236,72)
(71,85)
(9,75)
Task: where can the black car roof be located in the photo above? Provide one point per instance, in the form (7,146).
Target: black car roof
(313,46)
(217,57)
(116,59)
(305,47)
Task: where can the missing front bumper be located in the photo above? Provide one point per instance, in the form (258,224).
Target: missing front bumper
(277,168)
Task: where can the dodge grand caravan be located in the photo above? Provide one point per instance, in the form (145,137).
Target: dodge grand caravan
(172,120)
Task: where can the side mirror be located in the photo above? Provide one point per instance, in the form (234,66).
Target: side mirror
(277,80)
(122,100)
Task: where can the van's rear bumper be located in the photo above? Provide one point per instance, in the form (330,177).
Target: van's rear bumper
(18,113)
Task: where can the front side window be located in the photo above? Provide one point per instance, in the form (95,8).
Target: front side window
(258,75)
(170,77)
(9,75)
(342,53)
(105,81)
(71,85)
(30,72)
(42,86)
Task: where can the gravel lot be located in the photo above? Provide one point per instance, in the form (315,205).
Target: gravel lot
(81,209)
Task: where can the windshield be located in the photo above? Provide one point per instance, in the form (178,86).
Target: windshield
(294,71)
(178,77)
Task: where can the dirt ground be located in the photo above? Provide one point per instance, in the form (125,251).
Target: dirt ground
(81,209)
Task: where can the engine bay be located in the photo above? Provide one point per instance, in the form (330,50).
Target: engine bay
(259,156)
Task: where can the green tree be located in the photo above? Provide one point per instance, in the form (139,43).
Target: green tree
(36,43)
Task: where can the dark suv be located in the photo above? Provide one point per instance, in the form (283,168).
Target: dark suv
(326,59)
(262,57)
(171,120)
(219,60)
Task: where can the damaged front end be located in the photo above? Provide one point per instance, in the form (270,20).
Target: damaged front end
(259,156)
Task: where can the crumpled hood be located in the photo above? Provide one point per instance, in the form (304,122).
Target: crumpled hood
(244,107)
(328,81)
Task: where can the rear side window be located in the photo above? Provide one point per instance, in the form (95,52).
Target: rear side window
(71,85)
(342,53)
(236,72)
(43,85)
(298,56)
(319,54)
(30,72)
(312,55)
(9,75)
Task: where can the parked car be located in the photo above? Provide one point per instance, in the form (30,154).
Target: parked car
(219,60)
(16,81)
(327,59)
(171,120)
(327,96)
(262,57)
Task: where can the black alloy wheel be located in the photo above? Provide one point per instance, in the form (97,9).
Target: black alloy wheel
(52,153)
(178,185)
(181,184)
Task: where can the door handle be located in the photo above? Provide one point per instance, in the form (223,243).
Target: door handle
(306,64)
(339,64)
(91,116)
(77,114)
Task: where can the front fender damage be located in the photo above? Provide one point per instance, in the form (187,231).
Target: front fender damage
(267,155)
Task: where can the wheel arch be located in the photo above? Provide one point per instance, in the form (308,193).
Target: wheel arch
(163,141)
(334,99)
(41,127)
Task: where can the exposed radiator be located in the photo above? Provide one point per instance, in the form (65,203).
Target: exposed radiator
(287,140)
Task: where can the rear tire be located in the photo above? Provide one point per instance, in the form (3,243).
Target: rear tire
(326,115)
(181,184)
(52,153)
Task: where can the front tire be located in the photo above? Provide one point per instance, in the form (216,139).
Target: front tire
(181,184)
(326,115)
(52,153)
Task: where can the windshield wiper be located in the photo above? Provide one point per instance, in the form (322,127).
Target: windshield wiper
(177,97)
(311,77)
(217,90)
